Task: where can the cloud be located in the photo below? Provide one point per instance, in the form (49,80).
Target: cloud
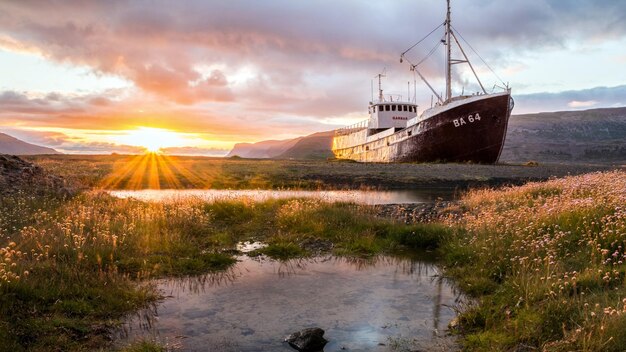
(307,63)
(110,112)
(100,148)
(195,151)
(69,144)
(572,99)
(581,104)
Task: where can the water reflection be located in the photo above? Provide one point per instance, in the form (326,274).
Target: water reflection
(359,197)
(363,304)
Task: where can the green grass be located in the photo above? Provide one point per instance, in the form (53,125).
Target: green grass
(545,263)
(73,268)
(144,346)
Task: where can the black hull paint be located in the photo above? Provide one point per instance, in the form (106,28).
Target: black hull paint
(440,139)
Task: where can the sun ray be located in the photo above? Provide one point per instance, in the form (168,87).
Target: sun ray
(171,180)
(156,171)
(193,178)
(153,176)
(136,180)
(126,168)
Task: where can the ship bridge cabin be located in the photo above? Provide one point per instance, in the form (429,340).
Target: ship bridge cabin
(388,114)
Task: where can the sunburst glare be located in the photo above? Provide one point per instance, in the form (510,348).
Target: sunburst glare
(153,171)
(152,139)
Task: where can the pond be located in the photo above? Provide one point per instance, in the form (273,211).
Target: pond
(426,195)
(378,304)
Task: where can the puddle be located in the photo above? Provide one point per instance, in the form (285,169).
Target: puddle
(360,197)
(249,246)
(381,304)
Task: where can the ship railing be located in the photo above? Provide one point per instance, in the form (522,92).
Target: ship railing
(352,128)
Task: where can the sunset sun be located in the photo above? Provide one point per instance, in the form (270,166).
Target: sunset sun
(152,139)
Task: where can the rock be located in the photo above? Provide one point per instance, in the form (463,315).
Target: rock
(454,325)
(20,176)
(307,340)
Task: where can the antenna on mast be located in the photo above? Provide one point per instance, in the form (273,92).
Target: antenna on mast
(381,97)
(414,89)
(408,91)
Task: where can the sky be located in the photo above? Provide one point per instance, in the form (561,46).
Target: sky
(199,76)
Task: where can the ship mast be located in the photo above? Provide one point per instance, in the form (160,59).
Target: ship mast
(448,38)
(448,56)
(381,97)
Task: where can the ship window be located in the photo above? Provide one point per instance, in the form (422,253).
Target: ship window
(412,108)
(393,108)
(409,133)
(387,108)
(403,107)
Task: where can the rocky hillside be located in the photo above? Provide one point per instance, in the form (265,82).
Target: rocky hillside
(18,175)
(590,136)
(14,146)
(314,146)
(597,135)
(264,149)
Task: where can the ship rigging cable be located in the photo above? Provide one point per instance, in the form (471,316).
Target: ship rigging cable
(432,51)
(421,40)
(480,57)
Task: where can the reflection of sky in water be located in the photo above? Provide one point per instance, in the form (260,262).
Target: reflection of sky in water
(361,197)
(254,305)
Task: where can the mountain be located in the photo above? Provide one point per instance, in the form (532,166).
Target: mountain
(14,146)
(597,136)
(314,146)
(265,149)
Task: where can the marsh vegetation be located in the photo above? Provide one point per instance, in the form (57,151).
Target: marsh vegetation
(72,268)
(544,261)
(155,171)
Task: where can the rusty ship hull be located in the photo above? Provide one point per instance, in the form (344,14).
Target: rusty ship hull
(471,129)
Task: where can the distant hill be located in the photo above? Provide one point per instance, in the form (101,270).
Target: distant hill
(14,146)
(314,146)
(265,149)
(597,136)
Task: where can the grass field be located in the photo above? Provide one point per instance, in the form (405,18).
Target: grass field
(161,172)
(544,261)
